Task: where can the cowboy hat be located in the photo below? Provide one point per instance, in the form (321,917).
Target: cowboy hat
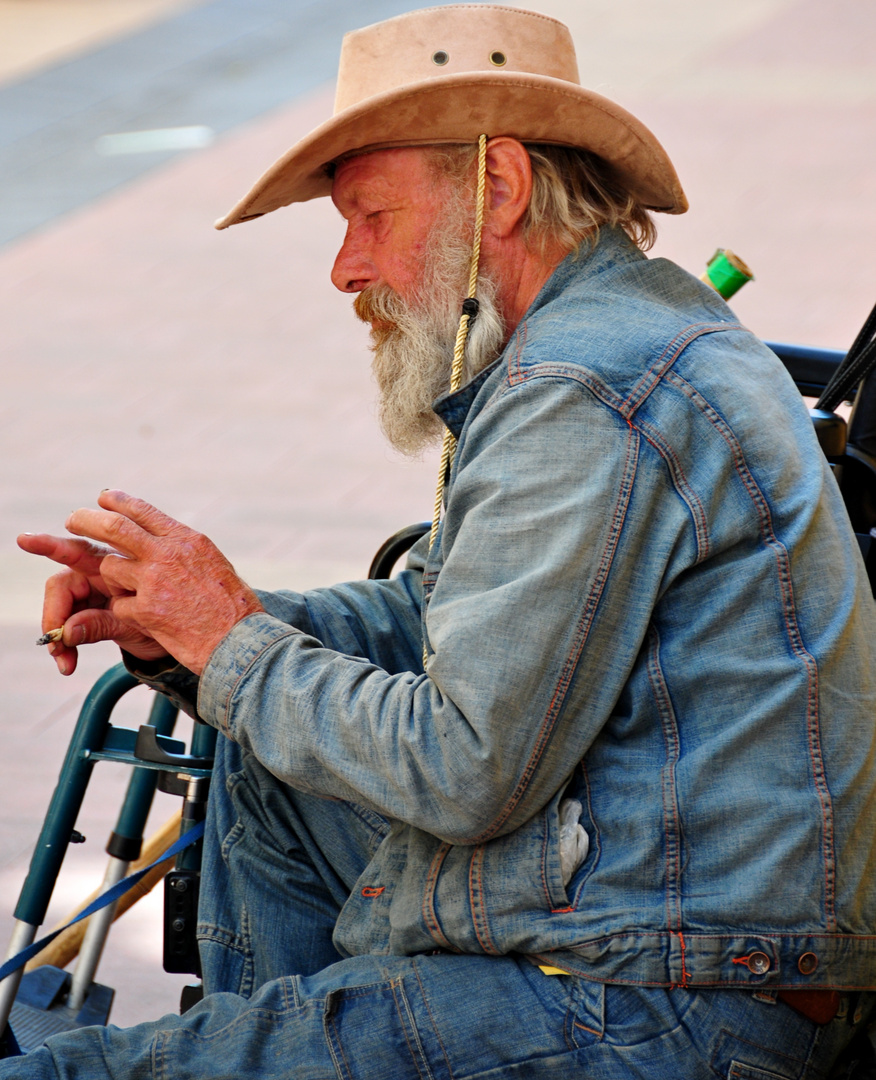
(449,74)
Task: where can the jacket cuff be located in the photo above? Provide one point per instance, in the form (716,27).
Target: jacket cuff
(168,677)
(230,661)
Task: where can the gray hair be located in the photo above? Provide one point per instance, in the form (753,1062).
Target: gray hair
(574,192)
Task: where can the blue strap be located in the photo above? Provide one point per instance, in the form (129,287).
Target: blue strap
(102,901)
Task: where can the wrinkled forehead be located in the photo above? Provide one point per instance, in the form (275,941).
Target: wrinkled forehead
(404,171)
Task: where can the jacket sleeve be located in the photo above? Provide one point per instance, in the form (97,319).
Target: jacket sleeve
(525,658)
(373,620)
(376,620)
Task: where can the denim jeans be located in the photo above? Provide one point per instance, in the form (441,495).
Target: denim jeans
(277,868)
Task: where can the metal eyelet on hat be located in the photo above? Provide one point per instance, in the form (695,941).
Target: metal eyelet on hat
(440,58)
(498,59)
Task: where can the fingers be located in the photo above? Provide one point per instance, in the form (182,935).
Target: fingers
(79,554)
(104,624)
(64,652)
(127,524)
(101,624)
(110,529)
(120,574)
(39,543)
(114,537)
(66,594)
(140,512)
(149,583)
(65,658)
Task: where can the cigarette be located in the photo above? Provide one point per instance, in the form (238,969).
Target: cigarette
(52,635)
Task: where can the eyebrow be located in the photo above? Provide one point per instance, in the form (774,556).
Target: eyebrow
(356,193)
(351,200)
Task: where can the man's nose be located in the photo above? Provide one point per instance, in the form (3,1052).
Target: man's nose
(352,271)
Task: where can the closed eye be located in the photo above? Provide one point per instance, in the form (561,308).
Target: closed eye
(379,222)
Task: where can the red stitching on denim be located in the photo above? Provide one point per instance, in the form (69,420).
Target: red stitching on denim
(476,901)
(561,910)
(669,728)
(336,1049)
(667,358)
(682,486)
(589,613)
(585,970)
(685,975)
(792,628)
(371,891)
(427,907)
(608,398)
(584,1027)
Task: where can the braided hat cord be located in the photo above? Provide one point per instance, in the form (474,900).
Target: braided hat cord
(448,447)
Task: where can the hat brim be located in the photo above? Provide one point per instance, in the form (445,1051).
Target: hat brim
(459,108)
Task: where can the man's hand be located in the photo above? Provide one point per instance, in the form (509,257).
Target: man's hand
(79,600)
(150,584)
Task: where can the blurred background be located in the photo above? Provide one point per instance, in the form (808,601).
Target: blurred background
(220,376)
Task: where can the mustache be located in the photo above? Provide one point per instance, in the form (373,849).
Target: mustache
(380,304)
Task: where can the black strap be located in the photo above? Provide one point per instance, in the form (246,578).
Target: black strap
(857,364)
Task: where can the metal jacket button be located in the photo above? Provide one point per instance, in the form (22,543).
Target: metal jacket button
(758,963)
(807,963)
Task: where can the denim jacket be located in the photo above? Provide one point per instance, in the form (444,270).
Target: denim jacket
(644,594)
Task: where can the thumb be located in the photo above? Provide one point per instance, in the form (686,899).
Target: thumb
(99,624)
(83,628)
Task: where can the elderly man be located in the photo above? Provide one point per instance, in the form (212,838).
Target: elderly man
(587,790)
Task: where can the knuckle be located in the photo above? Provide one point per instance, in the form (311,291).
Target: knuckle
(109,566)
(142,510)
(115,525)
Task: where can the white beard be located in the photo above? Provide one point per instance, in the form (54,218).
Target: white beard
(413,341)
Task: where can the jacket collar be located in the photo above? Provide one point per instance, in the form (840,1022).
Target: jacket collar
(613,248)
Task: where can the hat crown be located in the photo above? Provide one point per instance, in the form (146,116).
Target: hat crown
(449,75)
(447,41)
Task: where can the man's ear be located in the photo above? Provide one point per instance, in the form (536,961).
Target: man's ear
(509,185)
